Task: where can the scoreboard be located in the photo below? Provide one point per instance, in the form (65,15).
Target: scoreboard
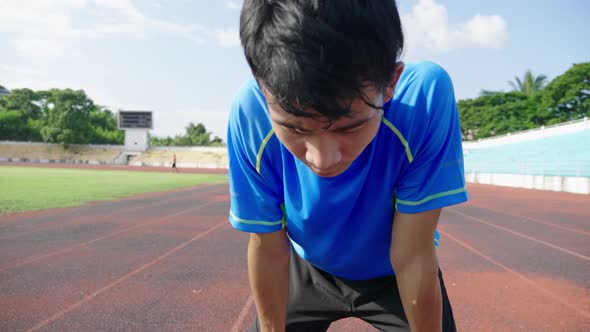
(135,120)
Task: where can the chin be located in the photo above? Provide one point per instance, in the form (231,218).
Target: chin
(332,172)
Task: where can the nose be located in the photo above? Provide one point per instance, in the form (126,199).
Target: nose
(323,152)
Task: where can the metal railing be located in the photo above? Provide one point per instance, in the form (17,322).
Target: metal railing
(530,134)
(576,168)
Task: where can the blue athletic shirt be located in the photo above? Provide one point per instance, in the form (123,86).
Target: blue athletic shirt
(342,224)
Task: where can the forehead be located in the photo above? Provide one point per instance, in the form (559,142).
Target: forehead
(359,110)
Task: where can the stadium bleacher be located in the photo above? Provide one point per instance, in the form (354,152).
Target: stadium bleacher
(186,157)
(564,155)
(56,153)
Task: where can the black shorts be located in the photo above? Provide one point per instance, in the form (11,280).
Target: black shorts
(317,298)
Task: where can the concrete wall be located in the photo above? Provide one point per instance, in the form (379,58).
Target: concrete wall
(577,185)
(55,153)
(188,157)
(217,149)
(136,139)
(204,164)
(100,146)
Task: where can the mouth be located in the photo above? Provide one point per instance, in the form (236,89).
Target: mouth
(326,174)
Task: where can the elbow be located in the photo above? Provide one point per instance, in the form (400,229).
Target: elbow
(273,246)
(399,258)
(403,259)
(397,265)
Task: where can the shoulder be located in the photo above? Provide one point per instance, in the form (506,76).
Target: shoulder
(425,68)
(420,88)
(248,100)
(249,127)
(423,97)
(423,78)
(249,112)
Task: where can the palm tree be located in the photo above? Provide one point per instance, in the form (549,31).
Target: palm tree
(530,83)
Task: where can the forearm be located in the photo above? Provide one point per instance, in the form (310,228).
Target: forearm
(269,280)
(420,293)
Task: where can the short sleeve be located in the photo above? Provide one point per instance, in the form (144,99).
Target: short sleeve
(255,188)
(435,177)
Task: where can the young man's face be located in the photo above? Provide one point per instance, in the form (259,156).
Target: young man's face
(329,148)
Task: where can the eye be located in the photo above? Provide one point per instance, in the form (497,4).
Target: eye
(353,129)
(298,131)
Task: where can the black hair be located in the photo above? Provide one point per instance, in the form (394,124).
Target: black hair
(320,54)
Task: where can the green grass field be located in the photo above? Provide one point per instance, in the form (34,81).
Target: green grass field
(30,188)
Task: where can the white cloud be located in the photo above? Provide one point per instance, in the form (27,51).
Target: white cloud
(37,27)
(487,31)
(43,28)
(427,29)
(233,5)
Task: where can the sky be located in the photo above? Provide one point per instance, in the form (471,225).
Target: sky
(182,59)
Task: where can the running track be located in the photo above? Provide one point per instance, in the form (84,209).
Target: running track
(513,260)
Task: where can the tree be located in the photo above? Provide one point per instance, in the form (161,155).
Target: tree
(68,117)
(104,123)
(25,101)
(529,84)
(12,126)
(567,97)
(20,116)
(57,116)
(496,114)
(195,135)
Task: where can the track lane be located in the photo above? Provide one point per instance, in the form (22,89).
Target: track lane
(34,246)
(496,279)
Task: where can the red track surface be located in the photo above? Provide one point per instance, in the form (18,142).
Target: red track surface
(513,260)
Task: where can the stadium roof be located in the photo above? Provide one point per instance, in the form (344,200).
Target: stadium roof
(3,91)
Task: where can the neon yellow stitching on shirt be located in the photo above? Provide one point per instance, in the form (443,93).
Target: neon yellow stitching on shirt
(431,197)
(255,222)
(261,150)
(401,138)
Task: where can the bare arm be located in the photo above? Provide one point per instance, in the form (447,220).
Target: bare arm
(414,260)
(268,269)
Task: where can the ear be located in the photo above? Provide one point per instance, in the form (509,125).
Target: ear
(390,88)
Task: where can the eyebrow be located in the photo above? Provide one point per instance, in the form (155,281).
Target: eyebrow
(354,124)
(289,125)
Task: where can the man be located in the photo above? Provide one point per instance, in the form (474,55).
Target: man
(174,163)
(341,158)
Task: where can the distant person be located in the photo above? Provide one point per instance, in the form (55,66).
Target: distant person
(174,163)
(341,158)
